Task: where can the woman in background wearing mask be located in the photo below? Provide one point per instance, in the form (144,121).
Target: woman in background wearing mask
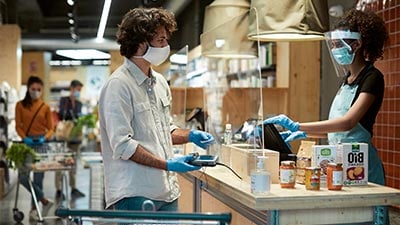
(70,108)
(355,44)
(34,124)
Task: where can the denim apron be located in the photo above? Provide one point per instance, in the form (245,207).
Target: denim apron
(340,106)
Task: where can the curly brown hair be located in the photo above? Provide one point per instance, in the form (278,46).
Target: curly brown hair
(139,25)
(371,28)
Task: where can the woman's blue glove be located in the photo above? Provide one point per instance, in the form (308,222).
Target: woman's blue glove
(179,164)
(284,121)
(201,138)
(28,141)
(289,136)
(40,140)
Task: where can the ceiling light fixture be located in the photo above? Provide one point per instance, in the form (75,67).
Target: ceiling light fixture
(288,20)
(103,20)
(70,2)
(82,54)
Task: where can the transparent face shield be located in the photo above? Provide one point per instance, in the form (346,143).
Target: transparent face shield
(342,55)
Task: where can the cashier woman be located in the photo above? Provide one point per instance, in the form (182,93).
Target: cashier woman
(134,111)
(355,44)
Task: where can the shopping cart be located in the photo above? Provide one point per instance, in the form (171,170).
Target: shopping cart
(58,158)
(77,217)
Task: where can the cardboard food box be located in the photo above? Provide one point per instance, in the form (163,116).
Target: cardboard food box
(321,156)
(303,160)
(355,163)
(242,159)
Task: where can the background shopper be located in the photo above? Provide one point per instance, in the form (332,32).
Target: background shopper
(134,112)
(34,124)
(70,108)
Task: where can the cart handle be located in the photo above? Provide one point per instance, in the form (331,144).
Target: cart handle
(47,141)
(221,217)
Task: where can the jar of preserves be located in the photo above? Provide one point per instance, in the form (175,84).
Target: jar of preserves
(313,176)
(287,174)
(334,176)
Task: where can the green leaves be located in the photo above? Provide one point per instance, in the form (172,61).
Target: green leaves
(88,120)
(19,152)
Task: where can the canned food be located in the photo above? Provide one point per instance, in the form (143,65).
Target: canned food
(335,176)
(287,174)
(312,178)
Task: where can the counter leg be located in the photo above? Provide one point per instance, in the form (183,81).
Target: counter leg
(381,216)
(273,217)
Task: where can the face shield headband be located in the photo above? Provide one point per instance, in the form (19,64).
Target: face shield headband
(342,55)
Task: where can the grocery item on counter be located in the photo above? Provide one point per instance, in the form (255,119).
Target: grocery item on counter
(303,160)
(287,174)
(334,177)
(355,163)
(321,156)
(312,178)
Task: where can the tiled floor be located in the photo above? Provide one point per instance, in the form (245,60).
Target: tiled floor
(83,184)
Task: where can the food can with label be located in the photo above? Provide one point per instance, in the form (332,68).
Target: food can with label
(287,174)
(335,176)
(312,178)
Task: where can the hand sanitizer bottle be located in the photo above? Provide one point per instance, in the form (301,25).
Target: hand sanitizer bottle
(228,134)
(260,178)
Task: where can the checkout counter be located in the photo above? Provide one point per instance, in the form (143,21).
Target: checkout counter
(217,189)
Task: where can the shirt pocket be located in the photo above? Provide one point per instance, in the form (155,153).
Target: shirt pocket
(166,110)
(143,115)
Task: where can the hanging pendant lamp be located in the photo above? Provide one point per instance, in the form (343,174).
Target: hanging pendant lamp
(288,20)
(225,30)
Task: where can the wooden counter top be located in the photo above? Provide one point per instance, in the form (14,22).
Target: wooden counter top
(224,181)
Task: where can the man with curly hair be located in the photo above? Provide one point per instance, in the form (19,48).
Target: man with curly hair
(355,44)
(137,133)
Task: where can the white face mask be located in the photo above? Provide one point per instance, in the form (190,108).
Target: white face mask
(35,94)
(155,56)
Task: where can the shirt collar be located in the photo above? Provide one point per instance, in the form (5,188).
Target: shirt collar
(138,74)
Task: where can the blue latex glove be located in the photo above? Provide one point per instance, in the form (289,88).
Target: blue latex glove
(289,136)
(297,135)
(40,140)
(285,134)
(201,138)
(28,141)
(284,121)
(179,164)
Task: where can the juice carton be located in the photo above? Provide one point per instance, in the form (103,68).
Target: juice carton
(321,156)
(355,163)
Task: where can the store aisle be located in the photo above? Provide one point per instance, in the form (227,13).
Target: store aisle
(24,199)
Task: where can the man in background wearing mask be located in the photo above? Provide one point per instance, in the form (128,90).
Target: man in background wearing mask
(136,130)
(70,108)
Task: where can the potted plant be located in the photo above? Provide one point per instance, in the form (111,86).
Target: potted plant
(20,155)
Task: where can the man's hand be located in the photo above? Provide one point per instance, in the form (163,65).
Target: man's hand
(180,164)
(201,138)
(284,121)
